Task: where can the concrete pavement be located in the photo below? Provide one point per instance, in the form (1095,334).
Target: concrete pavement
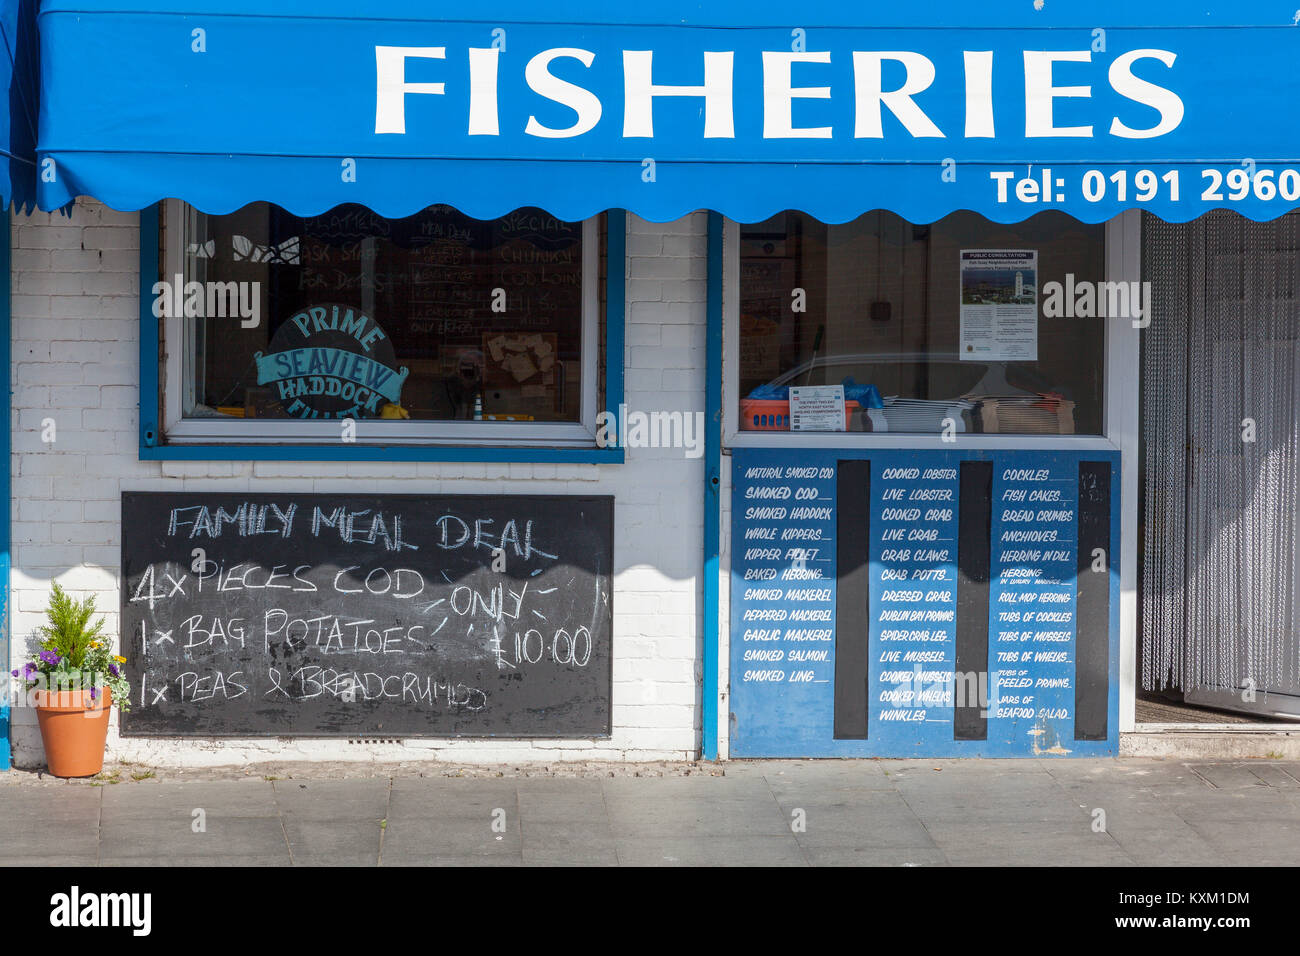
(863,812)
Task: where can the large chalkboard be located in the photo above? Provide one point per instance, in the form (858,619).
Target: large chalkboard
(366,615)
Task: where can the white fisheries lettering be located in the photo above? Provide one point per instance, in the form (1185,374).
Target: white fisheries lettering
(872,91)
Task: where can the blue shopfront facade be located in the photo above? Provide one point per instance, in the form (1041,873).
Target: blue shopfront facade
(864,594)
(19,79)
(1005,110)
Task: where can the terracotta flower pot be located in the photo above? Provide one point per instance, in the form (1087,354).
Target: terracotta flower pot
(74,729)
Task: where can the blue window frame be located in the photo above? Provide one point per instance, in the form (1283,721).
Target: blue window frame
(154,444)
(5,448)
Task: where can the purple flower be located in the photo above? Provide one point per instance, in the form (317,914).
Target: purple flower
(112,669)
(93,693)
(51,657)
(15,672)
(29,671)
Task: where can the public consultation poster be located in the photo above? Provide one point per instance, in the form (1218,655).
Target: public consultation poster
(999,305)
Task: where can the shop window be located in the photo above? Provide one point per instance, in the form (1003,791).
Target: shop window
(961,326)
(432,329)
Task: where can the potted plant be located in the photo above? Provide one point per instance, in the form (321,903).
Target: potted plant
(73,682)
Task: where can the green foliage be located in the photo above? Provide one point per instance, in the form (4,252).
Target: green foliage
(70,632)
(74,653)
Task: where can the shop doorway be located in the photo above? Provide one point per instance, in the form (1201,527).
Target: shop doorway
(1220,484)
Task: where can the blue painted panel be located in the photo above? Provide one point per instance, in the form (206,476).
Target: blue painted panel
(149,341)
(712,494)
(7,488)
(1004,109)
(19,73)
(783,601)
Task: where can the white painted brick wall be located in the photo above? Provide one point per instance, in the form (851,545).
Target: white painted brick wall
(75,306)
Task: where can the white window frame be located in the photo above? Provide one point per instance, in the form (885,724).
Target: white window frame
(734,436)
(1120,430)
(179,430)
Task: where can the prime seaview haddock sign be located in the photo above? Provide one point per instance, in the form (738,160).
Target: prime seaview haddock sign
(664,118)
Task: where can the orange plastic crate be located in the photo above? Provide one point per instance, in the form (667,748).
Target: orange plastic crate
(773,414)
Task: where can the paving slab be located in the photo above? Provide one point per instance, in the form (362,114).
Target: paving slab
(962,769)
(564,856)
(568,843)
(1276,776)
(834,774)
(52,803)
(452,860)
(203,861)
(655,808)
(7,860)
(334,843)
(49,822)
(466,799)
(333,822)
(1229,776)
(710,851)
(1252,843)
(1168,847)
(434,822)
(849,812)
(1151,774)
(854,821)
(560,801)
(408,844)
(905,856)
(1256,804)
(1026,847)
(222,836)
(219,798)
(972,813)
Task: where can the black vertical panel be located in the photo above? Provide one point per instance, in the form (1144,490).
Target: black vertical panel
(852,597)
(1092,607)
(974,561)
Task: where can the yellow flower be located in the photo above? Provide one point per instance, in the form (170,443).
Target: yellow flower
(120,659)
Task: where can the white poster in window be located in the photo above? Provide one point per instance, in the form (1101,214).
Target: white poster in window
(999,305)
(817,408)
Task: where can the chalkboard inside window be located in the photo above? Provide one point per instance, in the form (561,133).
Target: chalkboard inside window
(348,314)
(367,615)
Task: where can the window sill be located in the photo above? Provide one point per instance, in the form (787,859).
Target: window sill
(916,440)
(340,452)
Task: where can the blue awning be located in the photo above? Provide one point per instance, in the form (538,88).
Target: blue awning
(18,77)
(747,108)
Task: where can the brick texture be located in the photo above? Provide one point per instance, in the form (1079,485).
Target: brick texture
(75,307)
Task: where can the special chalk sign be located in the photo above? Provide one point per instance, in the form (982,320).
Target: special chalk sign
(366,615)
